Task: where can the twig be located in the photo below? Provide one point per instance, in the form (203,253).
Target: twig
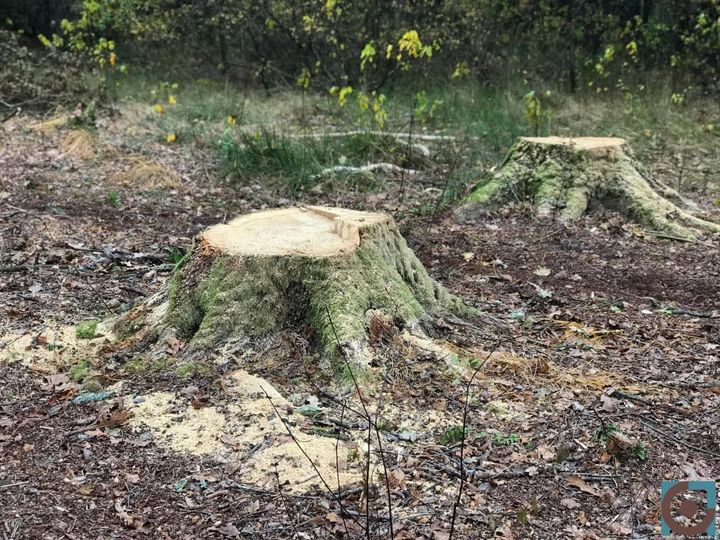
(15,484)
(312,463)
(370,426)
(9,115)
(284,503)
(462,440)
(337,464)
(370,167)
(660,234)
(429,137)
(409,147)
(673,438)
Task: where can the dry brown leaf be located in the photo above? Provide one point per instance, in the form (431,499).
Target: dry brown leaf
(576,481)
(569,503)
(116,419)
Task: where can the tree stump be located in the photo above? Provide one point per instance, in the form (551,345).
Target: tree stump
(566,177)
(317,269)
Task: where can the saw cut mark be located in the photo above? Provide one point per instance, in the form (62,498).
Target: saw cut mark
(581,143)
(313,231)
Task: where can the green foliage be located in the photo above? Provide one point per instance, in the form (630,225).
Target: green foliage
(374,46)
(178,256)
(638,451)
(453,435)
(535,113)
(498,439)
(41,79)
(87,329)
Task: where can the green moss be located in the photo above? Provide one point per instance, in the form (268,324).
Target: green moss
(216,297)
(136,365)
(562,179)
(86,330)
(79,371)
(192,369)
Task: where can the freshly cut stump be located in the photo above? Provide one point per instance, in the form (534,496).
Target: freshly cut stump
(318,269)
(565,177)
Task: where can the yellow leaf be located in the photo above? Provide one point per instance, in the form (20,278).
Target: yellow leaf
(113,59)
(231,120)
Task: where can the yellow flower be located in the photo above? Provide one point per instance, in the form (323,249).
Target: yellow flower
(231,120)
(158,108)
(171,138)
(172,100)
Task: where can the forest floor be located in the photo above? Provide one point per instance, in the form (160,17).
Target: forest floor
(602,376)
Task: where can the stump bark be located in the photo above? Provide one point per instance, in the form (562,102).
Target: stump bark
(313,268)
(566,177)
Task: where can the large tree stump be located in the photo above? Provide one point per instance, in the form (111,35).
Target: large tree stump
(566,177)
(315,268)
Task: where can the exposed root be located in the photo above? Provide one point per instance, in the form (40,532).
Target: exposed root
(565,178)
(386,168)
(317,269)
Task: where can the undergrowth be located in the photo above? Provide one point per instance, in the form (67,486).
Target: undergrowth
(282,136)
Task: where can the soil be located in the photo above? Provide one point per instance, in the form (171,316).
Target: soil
(585,329)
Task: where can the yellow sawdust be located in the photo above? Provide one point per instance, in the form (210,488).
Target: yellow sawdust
(54,348)
(181,428)
(49,126)
(79,143)
(141,173)
(247,431)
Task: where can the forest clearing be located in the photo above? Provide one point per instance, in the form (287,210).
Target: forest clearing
(273,307)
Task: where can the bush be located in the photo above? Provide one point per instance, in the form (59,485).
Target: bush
(41,79)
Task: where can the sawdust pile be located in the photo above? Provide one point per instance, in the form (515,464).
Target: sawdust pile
(141,173)
(79,143)
(247,433)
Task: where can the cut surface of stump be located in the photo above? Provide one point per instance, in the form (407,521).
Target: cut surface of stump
(316,270)
(566,177)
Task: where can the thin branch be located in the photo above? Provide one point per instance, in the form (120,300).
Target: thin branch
(367,416)
(337,463)
(284,502)
(462,440)
(304,453)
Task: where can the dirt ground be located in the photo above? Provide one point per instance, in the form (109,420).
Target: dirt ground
(602,345)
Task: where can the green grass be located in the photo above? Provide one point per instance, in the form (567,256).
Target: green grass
(485,119)
(86,330)
(299,162)
(114,199)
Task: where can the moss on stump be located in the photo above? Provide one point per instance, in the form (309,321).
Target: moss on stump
(320,269)
(565,178)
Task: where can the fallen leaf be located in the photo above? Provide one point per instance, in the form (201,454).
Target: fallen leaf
(116,419)
(576,481)
(569,503)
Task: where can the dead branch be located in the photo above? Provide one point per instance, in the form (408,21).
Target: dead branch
(462,440)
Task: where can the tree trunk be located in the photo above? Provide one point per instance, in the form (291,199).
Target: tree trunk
(317,270)
(565,178)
